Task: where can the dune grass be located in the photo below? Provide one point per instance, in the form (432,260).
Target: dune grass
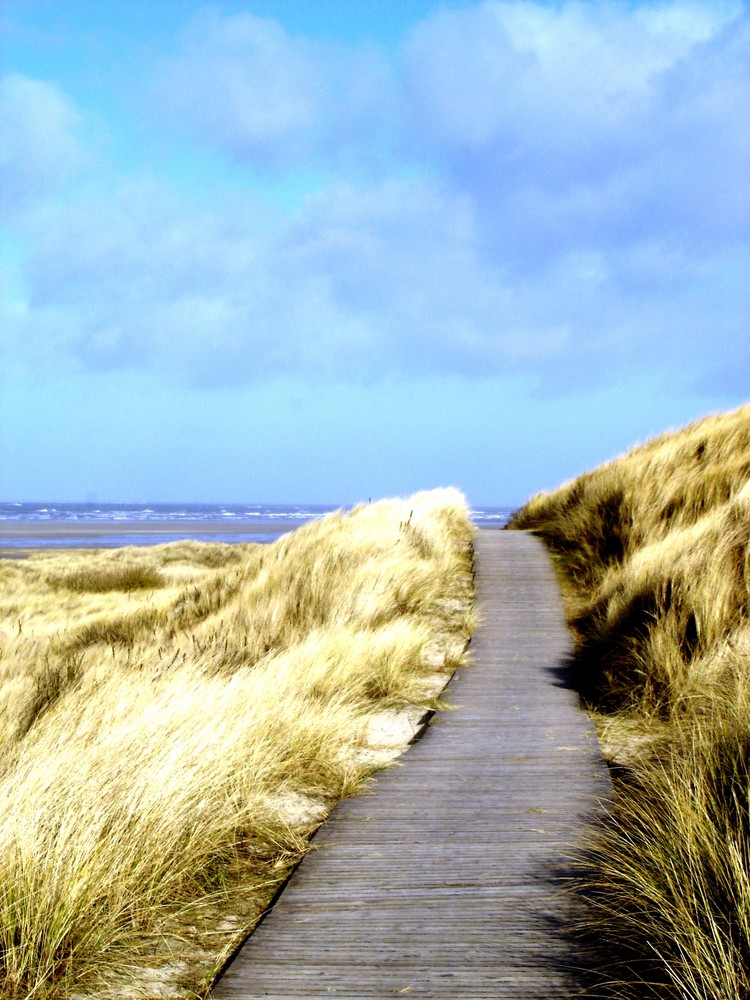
(176,720)
(653,554)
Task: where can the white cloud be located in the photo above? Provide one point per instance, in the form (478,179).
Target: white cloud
(39,144)
(362,283)
(578,125)
(247,85)
(562,191)
(269,99)
(568,126)
(551,79)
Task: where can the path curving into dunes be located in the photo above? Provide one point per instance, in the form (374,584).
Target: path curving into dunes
(439,881)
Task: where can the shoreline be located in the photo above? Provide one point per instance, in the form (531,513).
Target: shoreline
(20,538)
(28,537)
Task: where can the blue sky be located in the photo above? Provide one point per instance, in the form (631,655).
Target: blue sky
(323,250)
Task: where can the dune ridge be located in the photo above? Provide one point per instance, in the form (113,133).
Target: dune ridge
(653,555)
(176,720)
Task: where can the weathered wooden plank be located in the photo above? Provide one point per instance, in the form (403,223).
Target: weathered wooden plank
(436,882)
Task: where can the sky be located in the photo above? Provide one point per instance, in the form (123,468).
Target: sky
(329,250)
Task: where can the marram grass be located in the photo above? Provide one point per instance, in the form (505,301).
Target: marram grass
(176,720)
(653,553)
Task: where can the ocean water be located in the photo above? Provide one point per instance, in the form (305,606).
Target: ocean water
(102,525)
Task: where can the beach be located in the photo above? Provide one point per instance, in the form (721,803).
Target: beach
(30,527)
(63,526)
(19,540)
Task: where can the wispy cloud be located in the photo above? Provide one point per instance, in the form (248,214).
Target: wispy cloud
(40,144)
(274,101)
(559,189)
(585,125)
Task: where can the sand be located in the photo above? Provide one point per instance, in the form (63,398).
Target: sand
(190,529)
(110,534)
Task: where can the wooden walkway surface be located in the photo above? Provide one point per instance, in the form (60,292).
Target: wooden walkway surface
(437,882)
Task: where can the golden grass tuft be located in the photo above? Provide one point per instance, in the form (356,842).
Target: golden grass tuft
(653,553)
(167,750)
(99,580)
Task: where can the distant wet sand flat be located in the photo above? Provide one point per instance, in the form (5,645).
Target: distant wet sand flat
(77,526)
(110,534)
(66,529)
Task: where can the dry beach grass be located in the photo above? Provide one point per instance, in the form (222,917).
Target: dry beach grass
(175,720)
(653,553)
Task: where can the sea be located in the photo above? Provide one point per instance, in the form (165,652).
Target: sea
(107,525)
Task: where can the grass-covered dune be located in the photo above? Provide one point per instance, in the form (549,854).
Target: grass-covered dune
(653,553)
(176,720)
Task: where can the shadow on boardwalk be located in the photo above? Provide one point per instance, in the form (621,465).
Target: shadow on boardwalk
(440,882)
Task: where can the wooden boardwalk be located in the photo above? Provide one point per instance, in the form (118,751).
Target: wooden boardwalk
(438,882)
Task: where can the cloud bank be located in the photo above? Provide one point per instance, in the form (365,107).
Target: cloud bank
(559,190)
